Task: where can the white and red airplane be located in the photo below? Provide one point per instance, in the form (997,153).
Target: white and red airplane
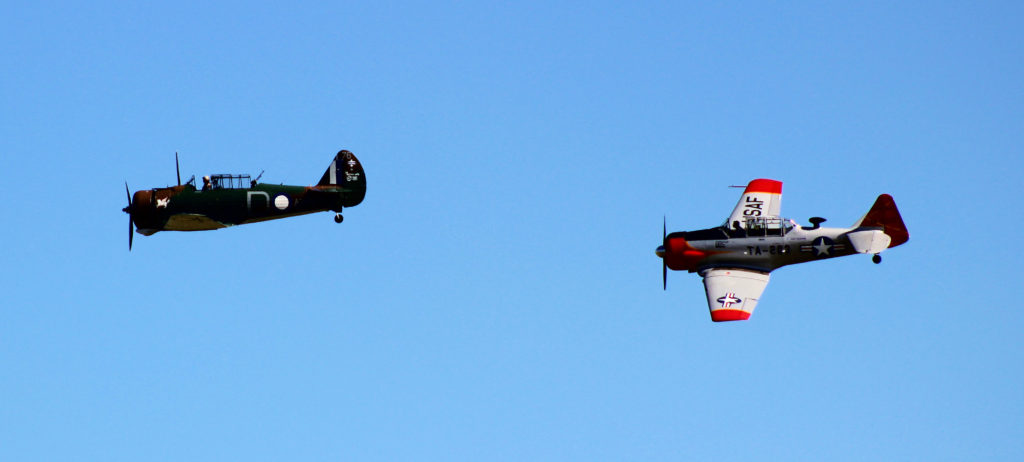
(736,258)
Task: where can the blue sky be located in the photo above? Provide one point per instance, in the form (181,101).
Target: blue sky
(497,295)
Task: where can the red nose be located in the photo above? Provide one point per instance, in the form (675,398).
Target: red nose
(679,255)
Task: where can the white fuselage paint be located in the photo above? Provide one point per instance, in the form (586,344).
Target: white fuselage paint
(769,252)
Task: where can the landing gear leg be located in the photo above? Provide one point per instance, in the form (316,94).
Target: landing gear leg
(338,218)
(877,258)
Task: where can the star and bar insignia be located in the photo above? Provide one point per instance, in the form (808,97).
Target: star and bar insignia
(823,247)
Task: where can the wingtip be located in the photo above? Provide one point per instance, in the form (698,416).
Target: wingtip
(729,315)
(764,185)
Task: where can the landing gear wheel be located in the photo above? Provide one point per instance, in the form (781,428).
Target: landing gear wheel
(338,218)
(877,259)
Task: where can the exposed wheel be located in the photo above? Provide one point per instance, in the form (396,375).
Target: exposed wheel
(338,218)
(877,259)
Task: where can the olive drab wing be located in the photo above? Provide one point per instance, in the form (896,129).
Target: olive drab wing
(228,199)
(735,259)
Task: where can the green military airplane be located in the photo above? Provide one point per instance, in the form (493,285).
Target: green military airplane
(228,200)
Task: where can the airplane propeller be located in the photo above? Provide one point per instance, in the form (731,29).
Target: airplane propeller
(131,219)
(130,209)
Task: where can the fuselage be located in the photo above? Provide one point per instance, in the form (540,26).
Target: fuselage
(760,249)
(185,208)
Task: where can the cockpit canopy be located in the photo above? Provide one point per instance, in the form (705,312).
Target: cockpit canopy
(230,181)
(762,226)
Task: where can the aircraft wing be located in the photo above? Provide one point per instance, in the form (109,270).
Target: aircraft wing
(761,198)
(733,293)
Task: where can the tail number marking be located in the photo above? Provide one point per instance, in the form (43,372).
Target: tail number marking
(770,250)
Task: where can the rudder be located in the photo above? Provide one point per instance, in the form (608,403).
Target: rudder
(346,172)
(885,215)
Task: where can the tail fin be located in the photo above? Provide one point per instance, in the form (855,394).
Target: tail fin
(885,215)
(347,173)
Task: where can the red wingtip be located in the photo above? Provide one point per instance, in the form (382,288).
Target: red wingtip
(763,185)
(729,315)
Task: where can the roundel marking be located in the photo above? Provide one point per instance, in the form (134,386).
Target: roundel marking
(822,247)
(281,201)
(729,300)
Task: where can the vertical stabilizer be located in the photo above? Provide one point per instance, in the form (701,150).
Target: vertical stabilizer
(347,173)
(885,215)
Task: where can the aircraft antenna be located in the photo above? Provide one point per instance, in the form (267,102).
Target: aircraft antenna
(259,176)
(177,169)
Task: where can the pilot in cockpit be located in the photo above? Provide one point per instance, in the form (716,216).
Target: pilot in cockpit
(736,230)
(206,183)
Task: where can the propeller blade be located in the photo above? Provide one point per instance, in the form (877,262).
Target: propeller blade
(131,232)
(664,244)
(131,220)
(177,168)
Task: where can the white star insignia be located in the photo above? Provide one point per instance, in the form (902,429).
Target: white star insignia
(162,203)
(822,248)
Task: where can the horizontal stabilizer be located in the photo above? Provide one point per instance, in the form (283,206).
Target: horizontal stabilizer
(869,241)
